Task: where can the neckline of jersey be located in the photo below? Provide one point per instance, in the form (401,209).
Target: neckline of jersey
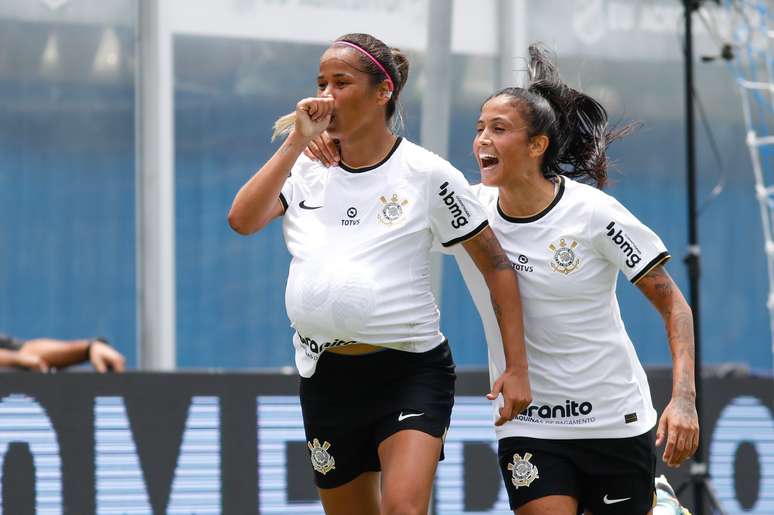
(377,165)
(537,216)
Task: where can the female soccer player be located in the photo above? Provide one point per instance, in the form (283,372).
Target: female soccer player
(584,444)
(377,377)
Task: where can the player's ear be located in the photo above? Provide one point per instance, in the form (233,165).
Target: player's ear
(385,93)
(538,145)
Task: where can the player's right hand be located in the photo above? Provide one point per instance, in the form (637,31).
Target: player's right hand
(517,394)
(105,358)
(324,149)
(313,115)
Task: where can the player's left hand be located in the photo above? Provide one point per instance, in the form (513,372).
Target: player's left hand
(517,394)
(679,427)
(103,357)
(323,149)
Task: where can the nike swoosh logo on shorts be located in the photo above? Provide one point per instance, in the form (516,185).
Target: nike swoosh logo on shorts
(403,417)
(303,205)
(614,501)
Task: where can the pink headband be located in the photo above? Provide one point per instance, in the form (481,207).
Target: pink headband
(372,58)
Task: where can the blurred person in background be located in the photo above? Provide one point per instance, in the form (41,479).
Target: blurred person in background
(377,375)
(45,354)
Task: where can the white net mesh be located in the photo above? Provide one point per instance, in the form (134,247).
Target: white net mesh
(752,33)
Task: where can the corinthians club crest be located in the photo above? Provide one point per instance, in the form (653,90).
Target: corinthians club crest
(523,473)
(565,259)
(391,211)
(322,461)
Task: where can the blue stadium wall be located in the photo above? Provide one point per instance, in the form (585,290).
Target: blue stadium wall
(67,248)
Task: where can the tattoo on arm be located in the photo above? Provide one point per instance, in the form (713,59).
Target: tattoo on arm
(658,286)
(497,257)
(681,338)
(659,281)
(497,310)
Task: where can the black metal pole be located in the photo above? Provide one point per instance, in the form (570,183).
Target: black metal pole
(698,466)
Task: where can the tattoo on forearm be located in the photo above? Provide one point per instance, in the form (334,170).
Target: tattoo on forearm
(662,292)
(497,310)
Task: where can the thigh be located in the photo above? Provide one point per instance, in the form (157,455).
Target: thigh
(535,469)
(550,505)
(357,497)
(618,475)
(409,459)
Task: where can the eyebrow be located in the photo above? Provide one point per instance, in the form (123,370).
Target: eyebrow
(336,75)
(497,119)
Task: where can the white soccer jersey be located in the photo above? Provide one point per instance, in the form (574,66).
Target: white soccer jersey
(360,241)
(586,379)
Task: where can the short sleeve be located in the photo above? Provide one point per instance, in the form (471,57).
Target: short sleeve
(286,194)
(301,167)
(625,241)
(456,214)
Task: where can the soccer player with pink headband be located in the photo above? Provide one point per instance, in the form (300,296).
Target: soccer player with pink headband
(377,375)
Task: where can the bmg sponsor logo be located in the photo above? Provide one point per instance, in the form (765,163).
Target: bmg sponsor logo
(627,246)
(455,206)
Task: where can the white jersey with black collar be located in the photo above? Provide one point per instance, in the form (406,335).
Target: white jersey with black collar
(586,379)
(360,242)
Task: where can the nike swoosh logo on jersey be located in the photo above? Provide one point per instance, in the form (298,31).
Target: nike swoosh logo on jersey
(303,205)
(614,501)
(403,417)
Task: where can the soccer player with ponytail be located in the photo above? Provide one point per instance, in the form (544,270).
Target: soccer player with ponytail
(377,376)
(584,445)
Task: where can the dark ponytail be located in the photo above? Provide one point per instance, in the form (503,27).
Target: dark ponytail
(575,123)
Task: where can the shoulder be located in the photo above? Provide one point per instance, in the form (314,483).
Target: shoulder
(306,170)
(487,195)
(583,192)
(587,199)
(423,161)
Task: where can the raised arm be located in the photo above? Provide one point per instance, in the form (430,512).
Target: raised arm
(679,423)
(503,285)
(257,202)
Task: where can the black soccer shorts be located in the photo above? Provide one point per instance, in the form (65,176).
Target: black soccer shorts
(608,476)
(352,403)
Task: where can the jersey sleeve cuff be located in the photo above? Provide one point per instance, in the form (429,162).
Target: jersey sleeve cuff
(658,260)
(284,203)
(468,236)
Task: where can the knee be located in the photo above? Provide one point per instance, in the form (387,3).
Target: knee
(403,507)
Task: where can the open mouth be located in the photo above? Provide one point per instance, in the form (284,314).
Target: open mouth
(488,160)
